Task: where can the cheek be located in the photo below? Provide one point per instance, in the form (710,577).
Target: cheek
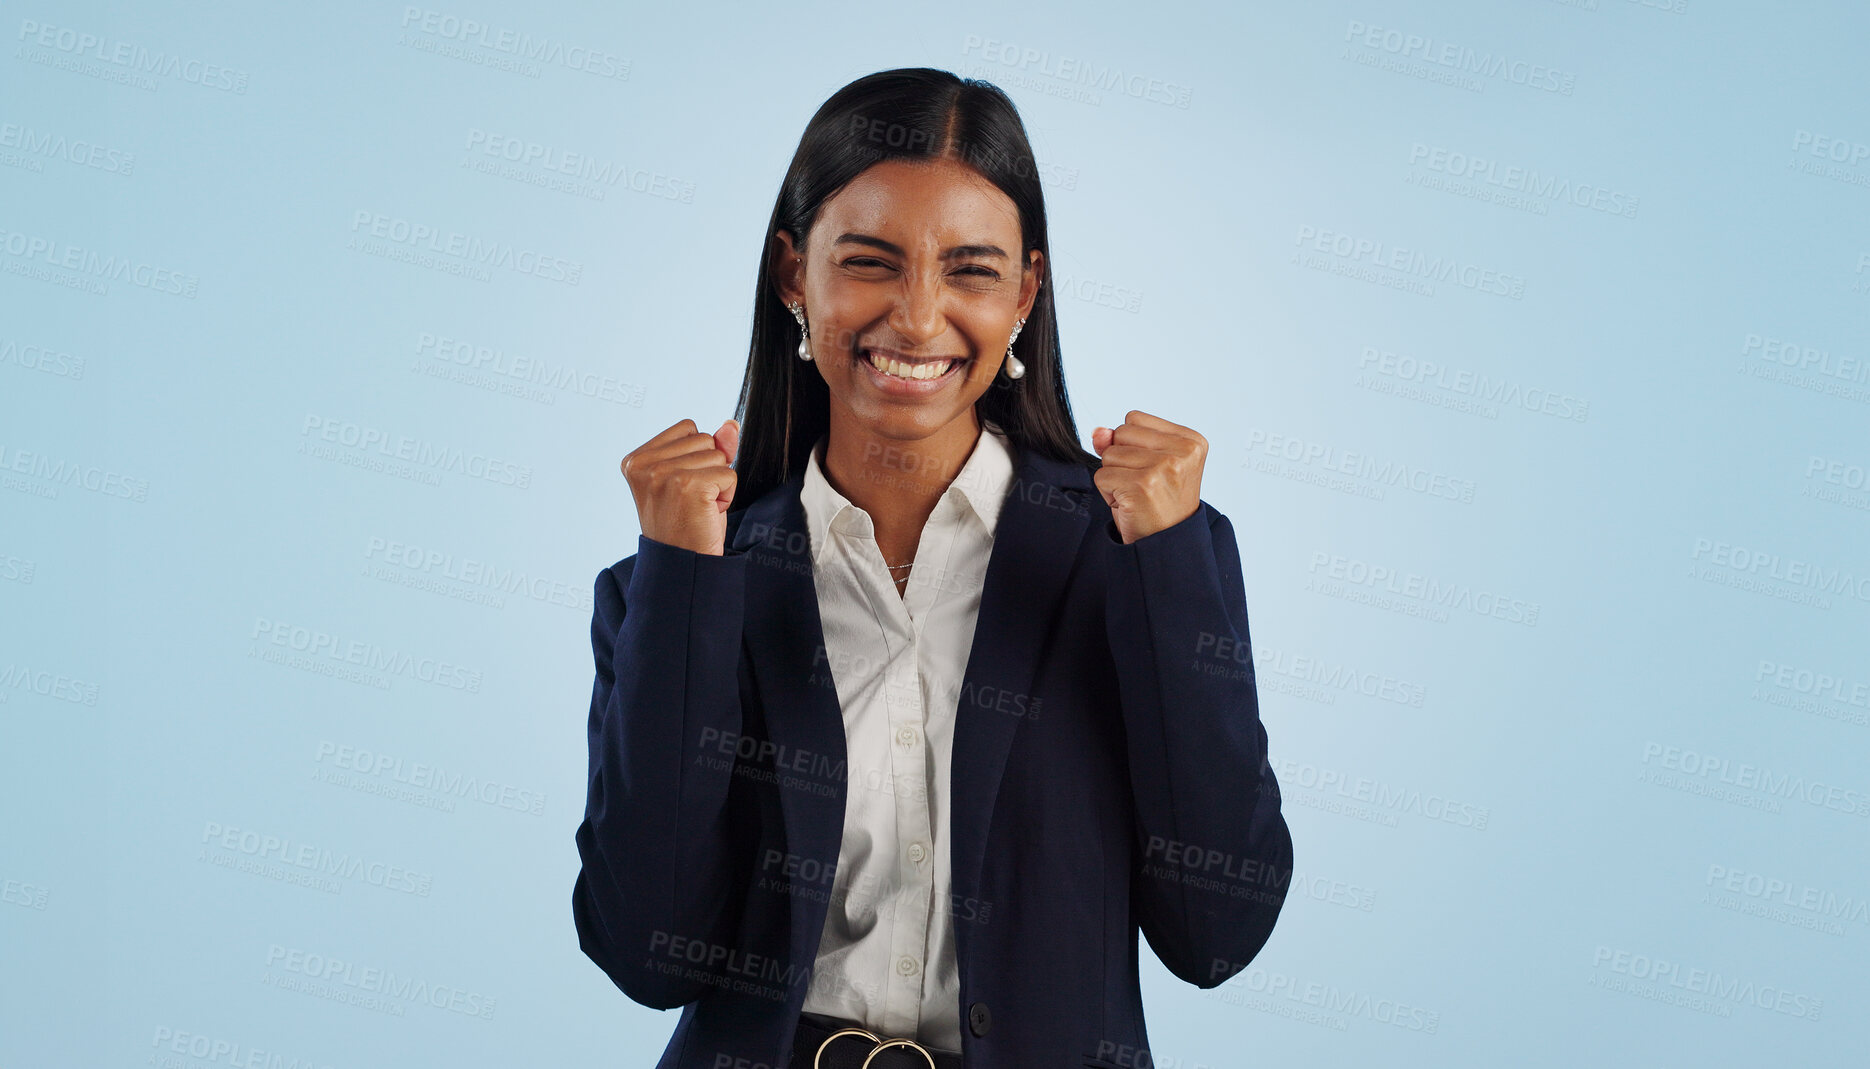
(984,369)
(989,339)
(837,311)
(842,327)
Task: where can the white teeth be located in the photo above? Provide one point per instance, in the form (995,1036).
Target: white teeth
(909,371)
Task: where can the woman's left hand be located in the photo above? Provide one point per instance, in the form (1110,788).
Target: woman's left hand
(1151,475)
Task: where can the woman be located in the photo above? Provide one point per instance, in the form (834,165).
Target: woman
(909,713)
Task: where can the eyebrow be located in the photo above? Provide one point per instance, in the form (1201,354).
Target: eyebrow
(958,252)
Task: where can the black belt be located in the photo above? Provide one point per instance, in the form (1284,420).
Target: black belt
(856,1047)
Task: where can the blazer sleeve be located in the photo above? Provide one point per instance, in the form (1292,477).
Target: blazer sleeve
(661,865)
(1214,854)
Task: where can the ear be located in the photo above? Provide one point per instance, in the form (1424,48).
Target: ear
(787,267)
(1029,282)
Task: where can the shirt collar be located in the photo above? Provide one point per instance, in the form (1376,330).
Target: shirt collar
(981,485)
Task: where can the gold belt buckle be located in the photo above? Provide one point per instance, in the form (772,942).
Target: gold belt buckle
(880,1045)
(910,1043)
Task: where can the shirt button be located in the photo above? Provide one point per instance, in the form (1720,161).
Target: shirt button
(906,736)
(917,853)
(906,965)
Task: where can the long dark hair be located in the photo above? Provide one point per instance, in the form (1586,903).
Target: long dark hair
(914,112)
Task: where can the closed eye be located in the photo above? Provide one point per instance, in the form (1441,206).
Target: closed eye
(975,270)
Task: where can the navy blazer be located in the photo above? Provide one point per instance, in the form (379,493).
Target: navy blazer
(1109,775)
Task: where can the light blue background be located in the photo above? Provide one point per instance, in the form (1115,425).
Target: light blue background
(138,720)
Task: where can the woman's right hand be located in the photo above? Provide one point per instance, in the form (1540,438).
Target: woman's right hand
(683,484)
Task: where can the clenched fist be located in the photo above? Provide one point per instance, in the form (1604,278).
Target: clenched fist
(683,484)
(1151,475)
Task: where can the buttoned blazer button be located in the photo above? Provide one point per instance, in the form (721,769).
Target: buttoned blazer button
(978,1019)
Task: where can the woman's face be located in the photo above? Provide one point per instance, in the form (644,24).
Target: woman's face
(918,262)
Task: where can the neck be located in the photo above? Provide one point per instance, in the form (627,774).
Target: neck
(896,481)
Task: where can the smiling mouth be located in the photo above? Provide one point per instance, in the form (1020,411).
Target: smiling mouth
(910,370)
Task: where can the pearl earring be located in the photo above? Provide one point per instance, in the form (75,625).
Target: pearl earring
(1014,369)
(805,334)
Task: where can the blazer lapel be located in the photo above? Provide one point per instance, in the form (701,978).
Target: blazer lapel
(1036,540)
(1036,543)
(785,640)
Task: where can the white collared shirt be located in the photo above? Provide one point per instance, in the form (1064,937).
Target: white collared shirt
(887,955)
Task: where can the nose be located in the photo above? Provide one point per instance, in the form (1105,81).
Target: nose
(919,316)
